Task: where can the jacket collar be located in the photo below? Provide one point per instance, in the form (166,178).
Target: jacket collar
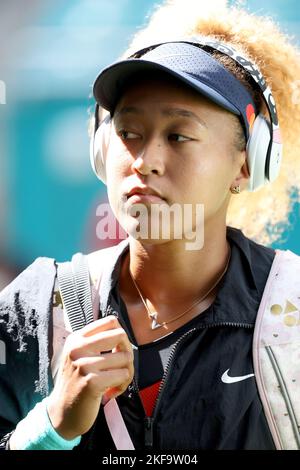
(240,290)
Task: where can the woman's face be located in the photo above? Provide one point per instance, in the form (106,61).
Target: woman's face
(171,139)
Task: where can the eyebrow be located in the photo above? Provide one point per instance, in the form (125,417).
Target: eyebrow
(169,112)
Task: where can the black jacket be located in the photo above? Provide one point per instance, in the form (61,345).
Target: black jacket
(195,409)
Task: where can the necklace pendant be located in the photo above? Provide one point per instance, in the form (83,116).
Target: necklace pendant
(155,323)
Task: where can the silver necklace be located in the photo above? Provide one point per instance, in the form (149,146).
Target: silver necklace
(153,315)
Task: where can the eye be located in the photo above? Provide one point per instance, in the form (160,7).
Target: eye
(178,138)
(126,135)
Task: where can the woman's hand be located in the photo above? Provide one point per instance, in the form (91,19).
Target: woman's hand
(97,362)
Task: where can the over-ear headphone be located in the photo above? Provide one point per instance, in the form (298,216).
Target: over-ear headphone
(99,144)
(264,146)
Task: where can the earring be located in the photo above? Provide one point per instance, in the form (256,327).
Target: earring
(235,189)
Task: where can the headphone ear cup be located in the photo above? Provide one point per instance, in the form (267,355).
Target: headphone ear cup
(257,153)
(98,148)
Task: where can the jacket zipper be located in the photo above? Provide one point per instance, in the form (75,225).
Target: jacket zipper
(149,420)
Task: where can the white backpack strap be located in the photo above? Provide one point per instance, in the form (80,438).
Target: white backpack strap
(75,287)
(74,284)
(276,350)
(117,426)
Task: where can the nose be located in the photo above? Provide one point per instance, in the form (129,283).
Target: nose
(151,158)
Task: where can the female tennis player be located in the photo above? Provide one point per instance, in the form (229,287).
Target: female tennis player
(187,135)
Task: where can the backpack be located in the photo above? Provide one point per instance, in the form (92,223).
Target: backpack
(276,345)
(276,350)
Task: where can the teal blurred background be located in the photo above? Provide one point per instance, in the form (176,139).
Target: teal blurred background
(49,55)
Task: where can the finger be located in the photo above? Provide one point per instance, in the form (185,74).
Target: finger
(108,340)
(130,352)
(111,393)
(104,341)
(94,364)
(106,379)
(106,323)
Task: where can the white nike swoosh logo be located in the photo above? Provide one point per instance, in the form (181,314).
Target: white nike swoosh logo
(230,380)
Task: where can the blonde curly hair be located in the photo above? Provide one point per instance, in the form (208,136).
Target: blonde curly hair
(262,215)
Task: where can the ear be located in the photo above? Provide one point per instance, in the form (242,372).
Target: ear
(243,175)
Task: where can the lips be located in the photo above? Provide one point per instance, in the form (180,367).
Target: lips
(144,192)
